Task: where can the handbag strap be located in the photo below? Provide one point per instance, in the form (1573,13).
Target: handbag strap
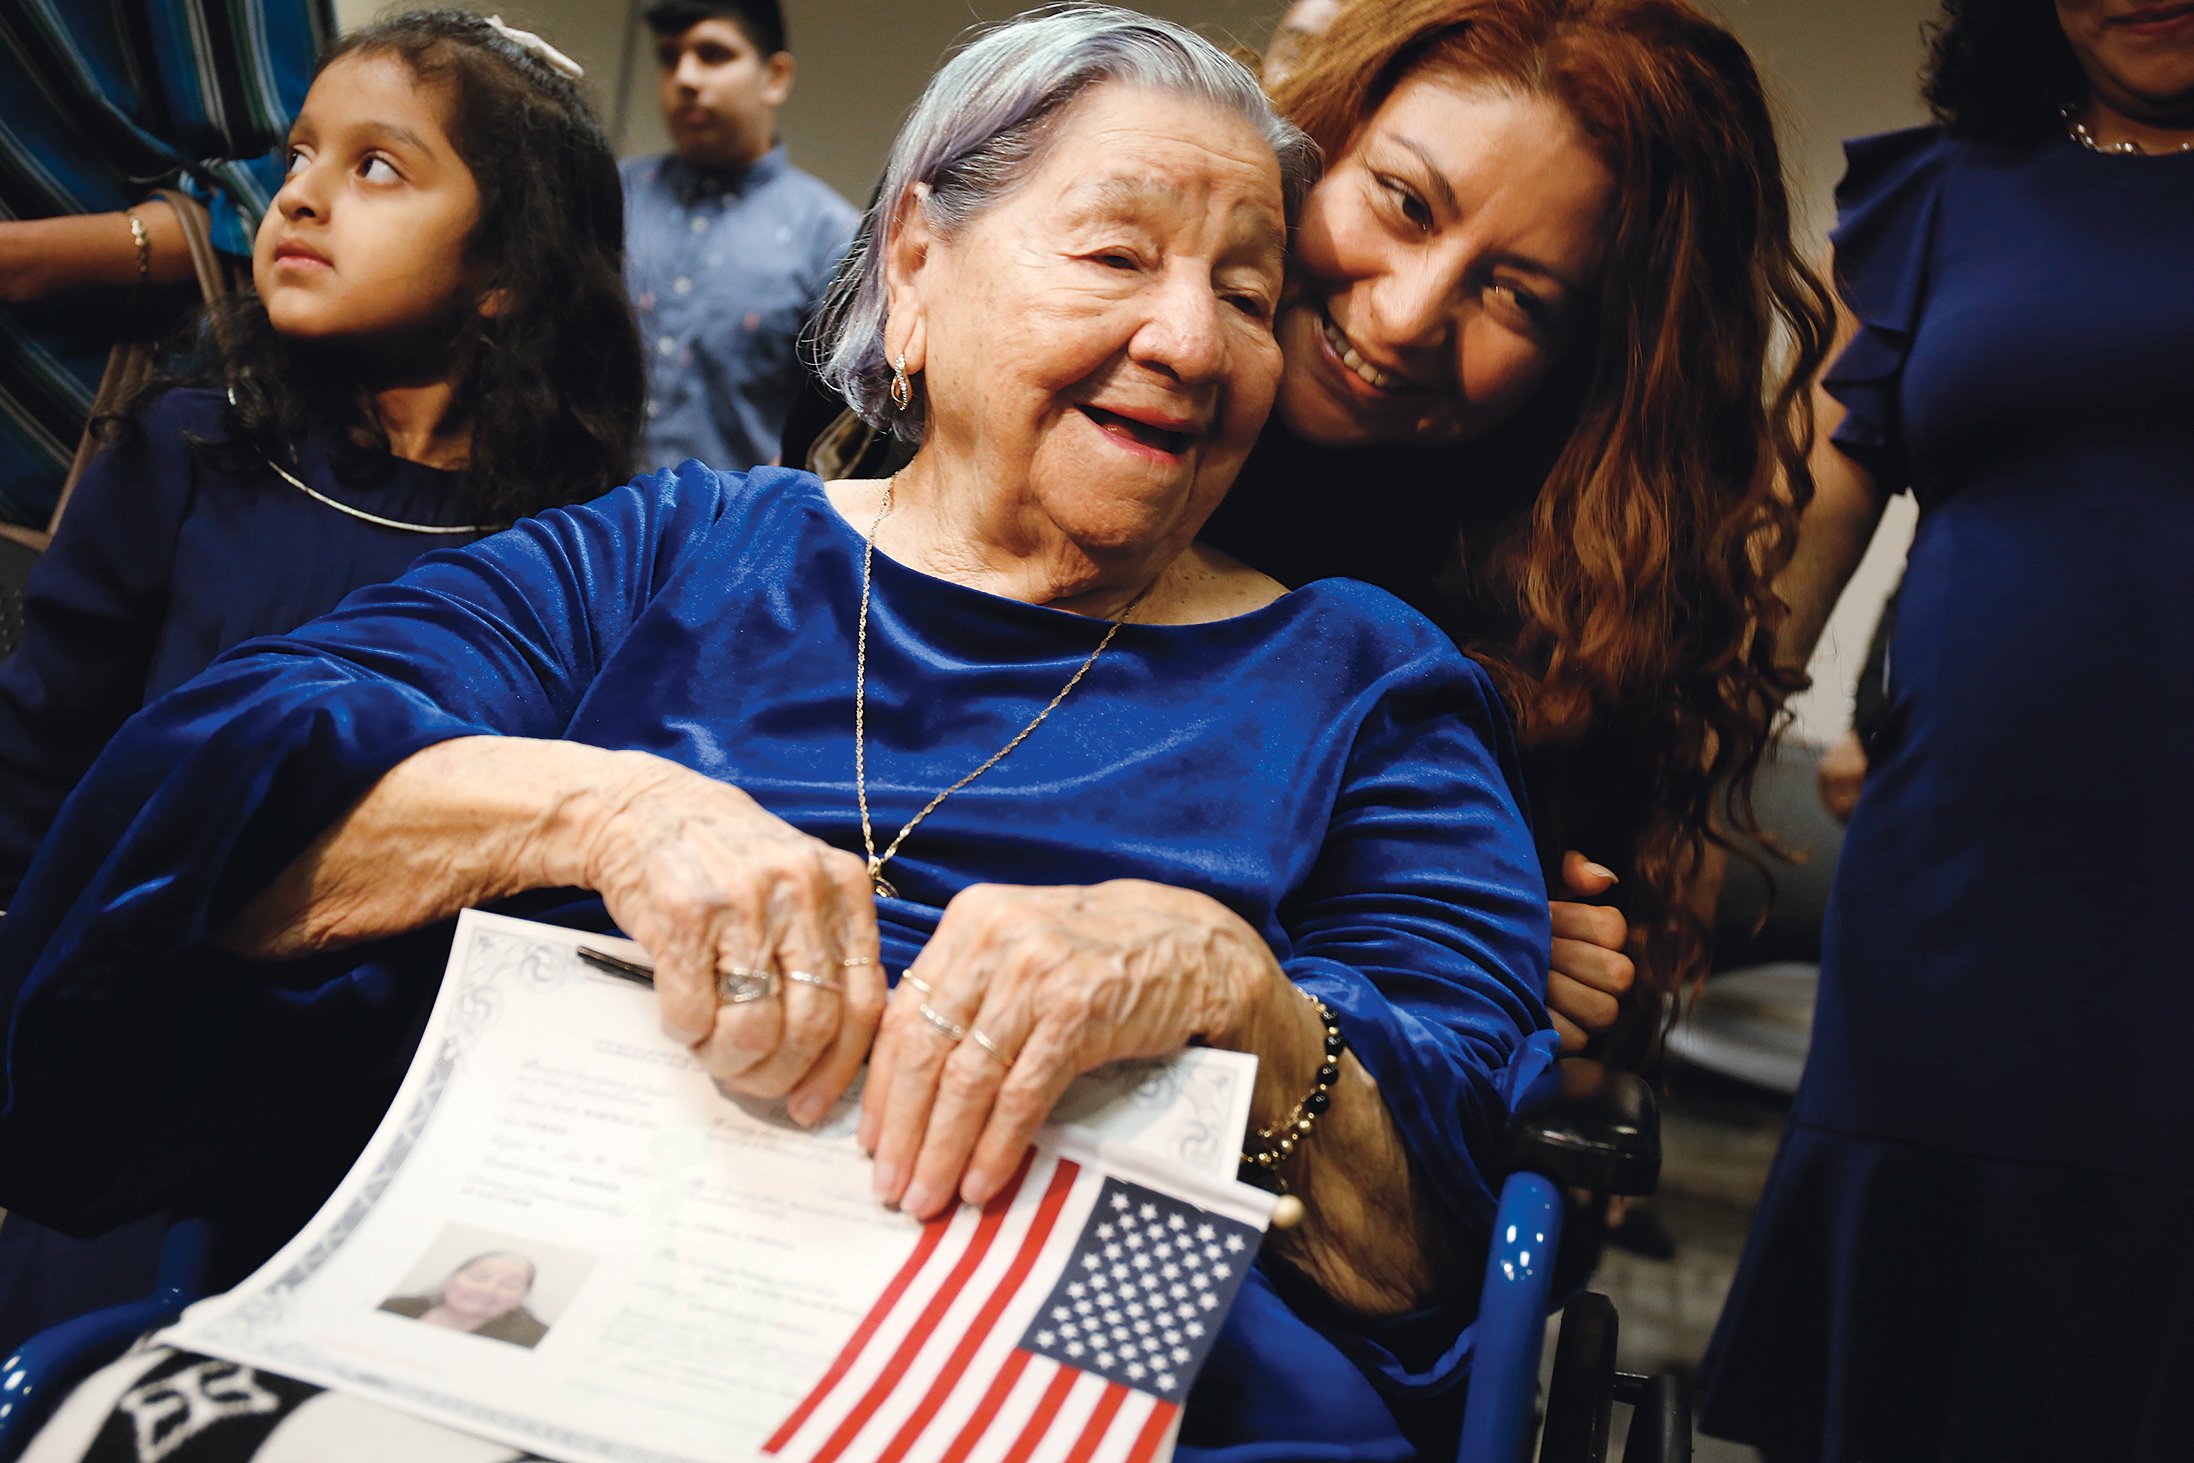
(131,362)
(214,279)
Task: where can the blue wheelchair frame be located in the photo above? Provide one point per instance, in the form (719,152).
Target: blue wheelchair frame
(1601,1134)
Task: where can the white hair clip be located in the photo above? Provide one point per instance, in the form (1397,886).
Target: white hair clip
(556,59)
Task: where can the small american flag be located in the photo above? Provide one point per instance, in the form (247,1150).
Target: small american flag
(1062,1323)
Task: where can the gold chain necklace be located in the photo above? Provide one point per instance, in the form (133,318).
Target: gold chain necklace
(876,861)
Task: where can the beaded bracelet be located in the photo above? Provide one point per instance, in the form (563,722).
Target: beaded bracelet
(1276,1144)
(142,237)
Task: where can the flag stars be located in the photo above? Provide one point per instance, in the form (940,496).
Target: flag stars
(1121,1272)
(1234,1244)
(1207,1300)
(1170,1272)
(1149,1211)
(1106,1231)
(1075,1348)
(1195,1329)
(1205,1234)
(1167,1381)
(1181,1355)
(1046,1339)
(1178,1292)
(1221,1272)
(1119,1202)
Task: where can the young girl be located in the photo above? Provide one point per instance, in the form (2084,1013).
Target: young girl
(441,343)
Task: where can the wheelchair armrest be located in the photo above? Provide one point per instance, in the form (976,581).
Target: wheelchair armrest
(43,1368)
(1602,1132)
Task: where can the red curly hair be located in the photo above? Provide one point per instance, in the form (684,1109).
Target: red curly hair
(1635,583)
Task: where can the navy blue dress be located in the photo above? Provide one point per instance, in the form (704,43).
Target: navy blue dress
(1328,766)
(167,557)
(1971,1242)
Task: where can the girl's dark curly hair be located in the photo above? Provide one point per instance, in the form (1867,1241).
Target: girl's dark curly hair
(553,383)
(1632,582)
(1999,70)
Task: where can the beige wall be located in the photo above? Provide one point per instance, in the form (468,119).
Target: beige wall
(1836,68)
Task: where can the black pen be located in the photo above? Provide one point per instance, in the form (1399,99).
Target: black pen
(618,966)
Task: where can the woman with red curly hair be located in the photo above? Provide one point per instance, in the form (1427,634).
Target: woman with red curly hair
(1547,345)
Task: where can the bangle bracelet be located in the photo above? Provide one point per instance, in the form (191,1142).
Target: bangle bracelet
(143,237)
(1276,1144)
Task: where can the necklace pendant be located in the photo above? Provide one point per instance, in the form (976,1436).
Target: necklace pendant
(876,877)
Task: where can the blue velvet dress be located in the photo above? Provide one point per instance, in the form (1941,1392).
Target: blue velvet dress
(1327,766)
(1972,1241)
(168,556)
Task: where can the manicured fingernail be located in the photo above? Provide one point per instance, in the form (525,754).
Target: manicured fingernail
(804,1110)
(887,1178)
(1604,872)
(920,1199)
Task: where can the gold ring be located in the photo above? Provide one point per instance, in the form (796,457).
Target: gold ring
(737,986)
(990,1048)
(855,962)
(820,982)
(909,978)
(952,1030)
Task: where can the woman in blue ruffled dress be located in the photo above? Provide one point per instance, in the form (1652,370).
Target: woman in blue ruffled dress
(1967,1245)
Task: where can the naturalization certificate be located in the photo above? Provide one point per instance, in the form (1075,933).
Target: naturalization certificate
(666,1273)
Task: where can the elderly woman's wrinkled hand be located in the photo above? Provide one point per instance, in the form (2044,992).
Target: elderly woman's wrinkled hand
(1020,991)
(711,884)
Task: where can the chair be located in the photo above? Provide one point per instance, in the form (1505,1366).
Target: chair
(43,1369)
(15,565)
(1601,1133)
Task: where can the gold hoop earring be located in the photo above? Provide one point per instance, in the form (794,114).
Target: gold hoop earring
(902,390)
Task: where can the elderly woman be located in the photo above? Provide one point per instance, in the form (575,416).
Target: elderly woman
(1547,337)
(997,721)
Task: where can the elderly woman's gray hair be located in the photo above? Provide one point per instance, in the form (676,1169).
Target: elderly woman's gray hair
(983,126)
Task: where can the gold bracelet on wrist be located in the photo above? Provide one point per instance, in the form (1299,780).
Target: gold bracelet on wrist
(143,238)
(1272,1146)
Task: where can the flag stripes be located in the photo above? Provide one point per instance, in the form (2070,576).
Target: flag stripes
(957,1362)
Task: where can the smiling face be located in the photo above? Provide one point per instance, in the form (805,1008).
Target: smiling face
(365,244)
(486,1288)
(1098,345)
(1445,265)
(720,94)
(2138,55)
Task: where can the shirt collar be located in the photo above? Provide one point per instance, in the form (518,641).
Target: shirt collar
(690,184)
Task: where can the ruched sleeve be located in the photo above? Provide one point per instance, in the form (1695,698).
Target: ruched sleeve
(1885,208)
(126,1032)
(1425,928)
